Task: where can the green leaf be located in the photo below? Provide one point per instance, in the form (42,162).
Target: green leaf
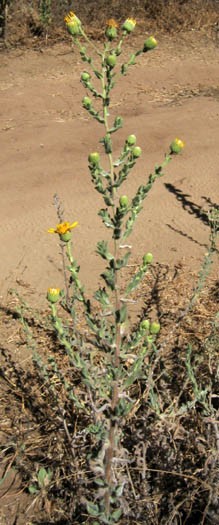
(135,282)
(132,60)
(116,514)
(120,263)
(132,378)
(109,278)
(106,218)
(102,250)
(124,69)
(108,201)
(74,398)
(102,296)
(98,74)
(94,429)
(42,474)
(6,475)
(92,509)
(44,477)
(32,489)
(107,144)
(100,482)
(91,324)
(124,407)
(118,123)
(88,383)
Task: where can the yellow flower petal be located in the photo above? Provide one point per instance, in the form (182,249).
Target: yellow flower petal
(73,225)
(71,18)
(63,227)
(53,295)
(129,25)
(180,143)
(111,23)
(132,20)
(54,291)
(73,24)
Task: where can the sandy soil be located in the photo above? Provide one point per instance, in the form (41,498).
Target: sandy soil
(46,136)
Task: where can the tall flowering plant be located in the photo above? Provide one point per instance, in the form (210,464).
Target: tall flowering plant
(103,364)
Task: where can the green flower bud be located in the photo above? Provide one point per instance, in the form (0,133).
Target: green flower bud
(111,30)
(65,237)
(111,60)
(148,258)
(176,146)
(129,25)
(111,33)
(155,328)
(131,140)
(123,201)
(144,325)
(94,158)
(149,44)
(73,24)
(136,152)
(85,76)
(87,102)
(53,295)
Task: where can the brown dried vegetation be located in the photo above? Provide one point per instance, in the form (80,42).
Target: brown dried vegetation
(172,450)
(25,26)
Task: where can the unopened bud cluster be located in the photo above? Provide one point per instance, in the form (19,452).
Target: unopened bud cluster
(152,328)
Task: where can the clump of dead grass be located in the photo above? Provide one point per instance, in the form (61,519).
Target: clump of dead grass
(172,457)
(24,26)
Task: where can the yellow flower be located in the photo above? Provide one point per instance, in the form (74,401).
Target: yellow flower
(111,23)
(149,44)
(53,295)
(129,25)
(63,228)
(73,24)
(111,30)
(180,143)
(176,146)
(54,291)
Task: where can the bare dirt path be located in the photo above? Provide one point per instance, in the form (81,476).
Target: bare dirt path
(46,136)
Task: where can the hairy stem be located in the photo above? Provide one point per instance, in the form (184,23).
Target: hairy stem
(112,428)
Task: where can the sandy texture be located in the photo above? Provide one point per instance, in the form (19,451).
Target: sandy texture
(46,136)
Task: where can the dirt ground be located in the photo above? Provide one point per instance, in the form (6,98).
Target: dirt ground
(46,136)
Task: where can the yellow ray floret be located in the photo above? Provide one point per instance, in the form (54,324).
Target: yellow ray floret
(71,18)
(179,142)
(63,228)
(54,291)
(132,20)
(111,23)
(73,24)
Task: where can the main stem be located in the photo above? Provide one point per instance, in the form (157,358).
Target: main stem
(112,424)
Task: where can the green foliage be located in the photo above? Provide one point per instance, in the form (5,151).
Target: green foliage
(45,12)
(43,479)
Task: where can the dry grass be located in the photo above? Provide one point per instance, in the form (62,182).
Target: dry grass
(173,457)
(160,16)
